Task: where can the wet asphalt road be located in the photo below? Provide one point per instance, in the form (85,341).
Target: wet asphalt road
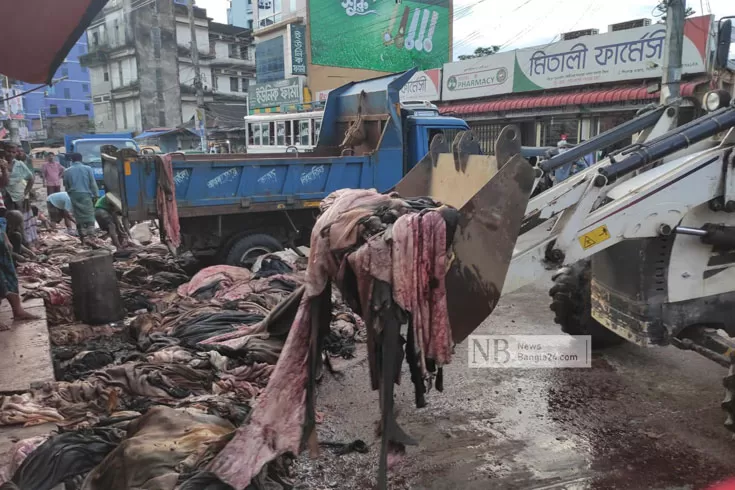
(638,419)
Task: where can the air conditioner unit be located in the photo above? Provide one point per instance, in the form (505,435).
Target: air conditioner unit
(575,34)
(631,24)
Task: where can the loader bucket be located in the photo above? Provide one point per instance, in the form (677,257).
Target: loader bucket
(491,194)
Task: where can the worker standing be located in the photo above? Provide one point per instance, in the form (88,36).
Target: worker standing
(52,172)
(19,191)
(82,189)
(20,180)
(563,172)
(8,278)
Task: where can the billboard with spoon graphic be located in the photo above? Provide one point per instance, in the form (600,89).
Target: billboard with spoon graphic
(380,35)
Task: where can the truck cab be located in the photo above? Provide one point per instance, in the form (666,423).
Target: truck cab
(421,122)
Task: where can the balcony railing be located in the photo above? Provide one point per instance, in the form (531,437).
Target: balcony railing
(185,52)
(134,85)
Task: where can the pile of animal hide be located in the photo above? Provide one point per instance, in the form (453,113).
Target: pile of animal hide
(145,275)
(388,256)
(149,402)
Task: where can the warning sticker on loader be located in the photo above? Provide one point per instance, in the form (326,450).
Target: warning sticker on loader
(594,237)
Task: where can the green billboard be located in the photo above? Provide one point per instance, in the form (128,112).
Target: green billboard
(380,34)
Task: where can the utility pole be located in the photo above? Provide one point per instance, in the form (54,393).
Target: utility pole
(200,115)
(14,132)
(671,79)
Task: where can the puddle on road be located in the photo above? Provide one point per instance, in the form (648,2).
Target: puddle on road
(560,429)
(565,429)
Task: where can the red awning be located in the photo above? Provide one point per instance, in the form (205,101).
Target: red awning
(561,100)
(38,34)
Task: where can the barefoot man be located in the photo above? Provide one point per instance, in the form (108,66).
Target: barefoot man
(8,278)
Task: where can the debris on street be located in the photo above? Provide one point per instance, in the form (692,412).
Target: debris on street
(162,392)
(388,257)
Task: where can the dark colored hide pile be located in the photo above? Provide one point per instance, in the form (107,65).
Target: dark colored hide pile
(149,402)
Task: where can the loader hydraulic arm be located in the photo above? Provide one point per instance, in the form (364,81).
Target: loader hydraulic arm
(609,137)
(683,137)
(627,199)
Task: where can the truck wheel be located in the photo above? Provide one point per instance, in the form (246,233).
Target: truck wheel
(247,249)
(571,303)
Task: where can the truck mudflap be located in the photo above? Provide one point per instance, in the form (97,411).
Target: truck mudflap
(491,194)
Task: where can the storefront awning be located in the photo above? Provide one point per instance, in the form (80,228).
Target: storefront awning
(38,34)
(620,94)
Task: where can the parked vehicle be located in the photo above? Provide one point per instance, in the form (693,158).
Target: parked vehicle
(89,146)
(279,133)
(71,138)
(235,207)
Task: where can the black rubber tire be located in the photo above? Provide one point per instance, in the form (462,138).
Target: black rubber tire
(258,244)
(571,305)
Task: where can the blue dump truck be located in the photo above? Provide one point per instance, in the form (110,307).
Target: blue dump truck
(233,208)
(89,146)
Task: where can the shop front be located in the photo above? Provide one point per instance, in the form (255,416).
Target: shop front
(573,89)
(279,96)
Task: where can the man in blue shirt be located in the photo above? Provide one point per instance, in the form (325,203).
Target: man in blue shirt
(59,207)
(563,172)
(82,189)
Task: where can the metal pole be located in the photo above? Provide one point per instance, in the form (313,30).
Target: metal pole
(685,230)
(197,77)
(14,127)
(671,79)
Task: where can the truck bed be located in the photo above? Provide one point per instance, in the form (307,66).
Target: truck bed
(221,185)
(226,184)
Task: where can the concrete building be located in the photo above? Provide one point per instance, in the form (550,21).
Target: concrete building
(240,14)
(318,45)
(141,69)
(69,98)
(226,60)
(579,87)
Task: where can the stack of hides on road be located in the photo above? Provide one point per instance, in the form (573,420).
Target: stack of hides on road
(148,403)
(388,256)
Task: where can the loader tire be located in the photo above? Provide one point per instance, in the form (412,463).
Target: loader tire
(571,304)
(247,249)
(728,404)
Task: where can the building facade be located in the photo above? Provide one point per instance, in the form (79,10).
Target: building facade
(141,68)
(71,97)
(307,47)
(577,88)
(240,14)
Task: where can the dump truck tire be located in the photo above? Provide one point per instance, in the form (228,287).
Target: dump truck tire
(571,304)
(245,250)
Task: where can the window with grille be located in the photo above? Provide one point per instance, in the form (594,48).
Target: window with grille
(486,134)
